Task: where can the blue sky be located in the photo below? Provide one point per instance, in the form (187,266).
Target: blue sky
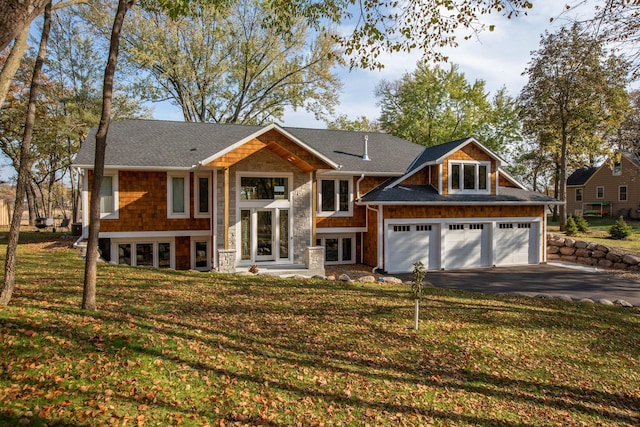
(498,57)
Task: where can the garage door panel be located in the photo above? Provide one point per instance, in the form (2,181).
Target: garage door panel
(408,244)
(466,246)
(515,243)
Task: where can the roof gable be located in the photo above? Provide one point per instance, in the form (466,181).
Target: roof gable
(274,138)
(438,153)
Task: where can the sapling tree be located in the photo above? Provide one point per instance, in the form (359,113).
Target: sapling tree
(419,273)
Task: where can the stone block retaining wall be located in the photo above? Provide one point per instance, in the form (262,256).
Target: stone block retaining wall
(562,248)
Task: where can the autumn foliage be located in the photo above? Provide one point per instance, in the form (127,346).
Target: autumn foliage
(187,348)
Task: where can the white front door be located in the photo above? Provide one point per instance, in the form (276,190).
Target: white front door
(264,235)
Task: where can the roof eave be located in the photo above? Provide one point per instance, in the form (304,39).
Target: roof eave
(460,203)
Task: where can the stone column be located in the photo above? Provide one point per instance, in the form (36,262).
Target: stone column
(227,260)
(314,258)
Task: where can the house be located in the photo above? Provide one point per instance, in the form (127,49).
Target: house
(613,188)
(225,196)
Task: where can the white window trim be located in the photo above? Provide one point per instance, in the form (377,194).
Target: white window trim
(613,169)
(336,183)
(170,213)
(579,190)
(193,254)
(196,195)
(340,261)
(626,193)
(597,196)
(265,203)
(116,208)
(152,241)
(461,190)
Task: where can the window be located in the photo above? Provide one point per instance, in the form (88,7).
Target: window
(617,168)
(599,192)
(200,255)
(578,194)
(335,197)
(338,249)
(157,253)
(622,193)
(260,188)
(202,196)
(177,196)
(109,196)
(469,177)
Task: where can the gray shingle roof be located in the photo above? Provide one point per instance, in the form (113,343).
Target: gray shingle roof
(428,195)
(581,176)
(165,144)
(433,153)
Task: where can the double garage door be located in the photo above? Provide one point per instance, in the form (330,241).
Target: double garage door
(453,246)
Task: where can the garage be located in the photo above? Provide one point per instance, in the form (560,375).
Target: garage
(410,243)
(466,246)
(517,243)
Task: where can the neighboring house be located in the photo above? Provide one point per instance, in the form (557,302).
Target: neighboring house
(202,196)
(611,189)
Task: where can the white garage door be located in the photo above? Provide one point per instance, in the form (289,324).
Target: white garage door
(514,243)
(466,246)
(408,244)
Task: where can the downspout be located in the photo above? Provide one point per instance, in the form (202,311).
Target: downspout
(366,217)
(358,187)
(377,211)
(212,223)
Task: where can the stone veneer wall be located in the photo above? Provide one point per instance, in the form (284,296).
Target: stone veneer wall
(267,162)
(560,248)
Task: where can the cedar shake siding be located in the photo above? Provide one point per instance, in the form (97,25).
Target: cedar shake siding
(142,204)
(470,152)
(443,211)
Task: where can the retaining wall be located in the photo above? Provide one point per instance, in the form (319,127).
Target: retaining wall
(562,248)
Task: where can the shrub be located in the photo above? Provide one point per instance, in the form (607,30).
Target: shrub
(570,227)
(620,229)
(419,273)
(582,224)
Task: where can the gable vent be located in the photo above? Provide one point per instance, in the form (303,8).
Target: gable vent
(365,155)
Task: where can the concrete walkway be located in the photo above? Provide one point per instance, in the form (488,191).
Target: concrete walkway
(554,279)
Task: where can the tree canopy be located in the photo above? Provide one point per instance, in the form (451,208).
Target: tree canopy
(434,105)
(226,66)
(575,99)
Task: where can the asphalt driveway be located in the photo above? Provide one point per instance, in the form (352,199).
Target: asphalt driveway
(554,279)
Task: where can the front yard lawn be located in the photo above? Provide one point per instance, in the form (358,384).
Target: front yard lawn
(187,348)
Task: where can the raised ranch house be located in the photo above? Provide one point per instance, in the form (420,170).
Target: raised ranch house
(202,196)
(611,189)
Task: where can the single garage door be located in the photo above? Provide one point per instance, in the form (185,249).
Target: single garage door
(408,244)
(515,243)
(466,246)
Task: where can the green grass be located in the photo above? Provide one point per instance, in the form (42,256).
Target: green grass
(599,233)
(169,348)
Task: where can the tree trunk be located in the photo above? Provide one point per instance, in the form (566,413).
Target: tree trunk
(12,64)
(16,16)
(31,205)
(562,184)
(89,293)
(23,171)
